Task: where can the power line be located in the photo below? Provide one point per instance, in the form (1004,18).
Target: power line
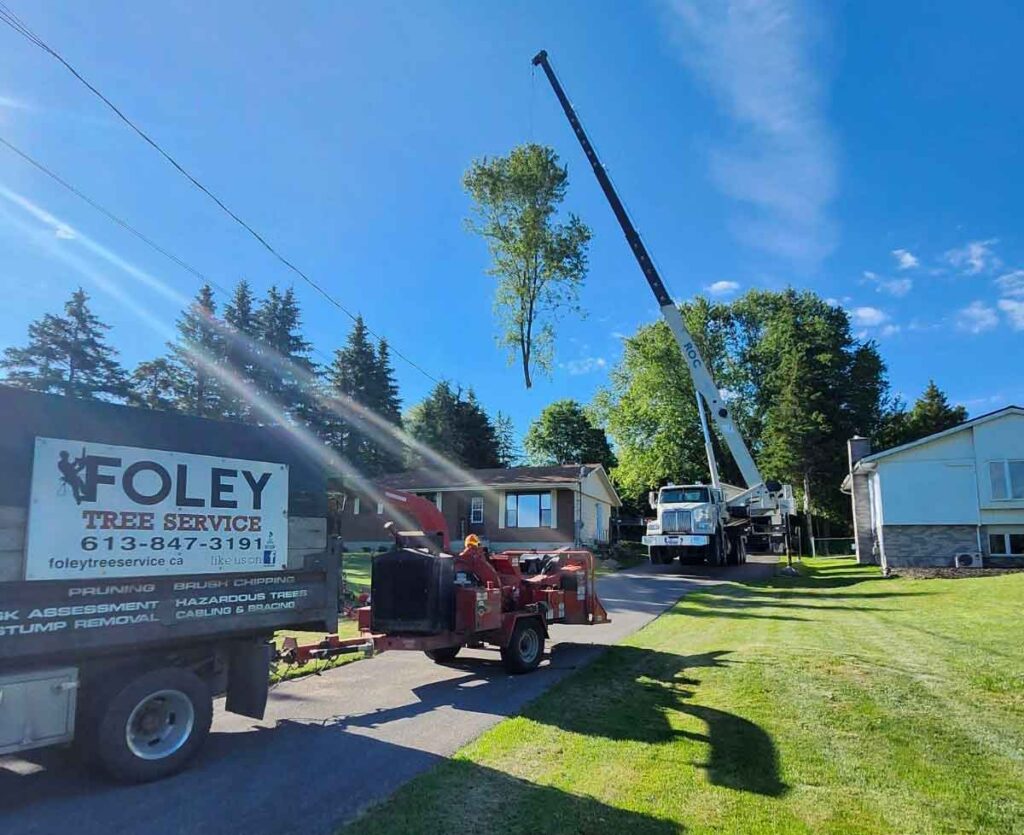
(124,224)
(12,20)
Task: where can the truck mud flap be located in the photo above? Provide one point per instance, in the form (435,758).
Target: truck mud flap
(248,678)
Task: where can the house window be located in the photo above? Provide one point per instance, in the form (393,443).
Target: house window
(355,506)
(476,510)
(527,510)
(380,508)
(1006,544)
(1007,479)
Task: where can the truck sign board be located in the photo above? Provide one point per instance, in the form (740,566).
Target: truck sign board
(100,510)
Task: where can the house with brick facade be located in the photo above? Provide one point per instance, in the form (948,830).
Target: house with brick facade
(952,498)
(514,507)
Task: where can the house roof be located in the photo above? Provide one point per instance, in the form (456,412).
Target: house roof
(434,478)
(967,424)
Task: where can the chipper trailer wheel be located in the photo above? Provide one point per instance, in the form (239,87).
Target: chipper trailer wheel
(147,727)
(443,655)
(526,647)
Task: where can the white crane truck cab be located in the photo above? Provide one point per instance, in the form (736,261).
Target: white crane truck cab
(690,524)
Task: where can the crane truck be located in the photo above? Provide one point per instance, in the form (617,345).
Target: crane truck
(708,522)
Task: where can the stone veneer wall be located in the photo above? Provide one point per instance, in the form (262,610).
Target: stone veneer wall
(927,545)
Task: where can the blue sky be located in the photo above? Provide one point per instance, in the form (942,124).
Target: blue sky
(867,151)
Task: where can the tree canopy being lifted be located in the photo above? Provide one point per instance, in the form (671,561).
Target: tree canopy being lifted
(539,262)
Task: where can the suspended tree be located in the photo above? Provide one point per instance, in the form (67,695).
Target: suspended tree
(540,263)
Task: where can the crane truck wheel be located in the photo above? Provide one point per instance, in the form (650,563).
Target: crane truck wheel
(442,655)
(526,647)
(149,726)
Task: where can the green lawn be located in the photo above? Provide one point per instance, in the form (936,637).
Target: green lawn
(837,701)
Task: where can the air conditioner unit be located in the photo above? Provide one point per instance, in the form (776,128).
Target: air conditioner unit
(968,559)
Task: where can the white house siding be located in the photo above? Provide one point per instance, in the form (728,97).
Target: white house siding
(934,500)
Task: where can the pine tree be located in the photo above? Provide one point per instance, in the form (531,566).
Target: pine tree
(197,356)
(509,453)
(363,374)
(68,355)
(932,413)
(241,350)
(457,429)
(283,375)
(155,384)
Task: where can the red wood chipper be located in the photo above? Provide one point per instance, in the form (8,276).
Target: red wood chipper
(423,597)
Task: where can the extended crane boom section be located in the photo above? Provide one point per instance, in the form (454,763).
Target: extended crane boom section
(720,412)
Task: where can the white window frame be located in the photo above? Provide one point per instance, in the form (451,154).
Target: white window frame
(476,510)
(1013,491)
(380,508)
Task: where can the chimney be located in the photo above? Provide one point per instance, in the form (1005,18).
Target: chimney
(858,448)
(863,528)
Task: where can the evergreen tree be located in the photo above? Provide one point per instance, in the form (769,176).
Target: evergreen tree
(241,350)
(282,374)
(363,374)
(505,433)
(196,355)
(68,355)
(931,413)
(456,428)
(565,434)
(155,384)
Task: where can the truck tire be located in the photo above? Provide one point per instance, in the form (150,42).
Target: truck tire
(148,727)
(715,557)
(442,655)
(525,648)
(660,555)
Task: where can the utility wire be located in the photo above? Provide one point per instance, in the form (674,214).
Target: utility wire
(12,20)
(124,224)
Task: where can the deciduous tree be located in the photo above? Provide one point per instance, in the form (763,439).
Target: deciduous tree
(565,434)
(540,262)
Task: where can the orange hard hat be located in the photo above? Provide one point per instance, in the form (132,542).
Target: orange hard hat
(472,541)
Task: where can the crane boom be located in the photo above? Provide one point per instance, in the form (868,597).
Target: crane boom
(705,385)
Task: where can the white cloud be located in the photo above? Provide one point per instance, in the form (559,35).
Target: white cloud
(14,104)
(756,56)
(890,330)
(1014,310)
(868,317)
(1011,284)
(65,232)
(975,256)
(977,317)
(898,287)
(722,288)
(905,259)
(585,365)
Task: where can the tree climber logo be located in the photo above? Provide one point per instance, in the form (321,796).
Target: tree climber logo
(70,475)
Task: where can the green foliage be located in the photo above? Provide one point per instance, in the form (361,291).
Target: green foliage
(799,383)
(565,434)
(539,262)
(241,350)
(457,428)
(279,328)
(67,355)
(930,413)
(509,453)
(155,384)
(363,374)
(196,356)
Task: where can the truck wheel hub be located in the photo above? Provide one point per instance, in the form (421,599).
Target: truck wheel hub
(160,725)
